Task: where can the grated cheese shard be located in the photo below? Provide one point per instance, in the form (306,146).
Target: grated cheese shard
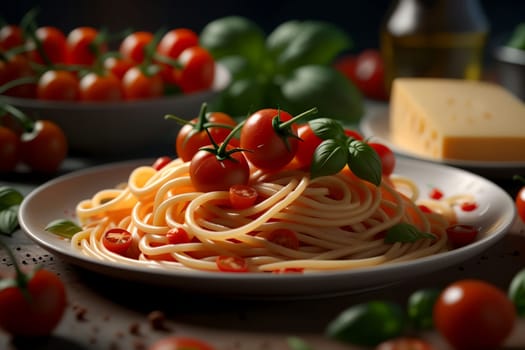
(457,119)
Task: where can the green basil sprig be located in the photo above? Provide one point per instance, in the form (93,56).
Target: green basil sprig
(338,150)
(62,227)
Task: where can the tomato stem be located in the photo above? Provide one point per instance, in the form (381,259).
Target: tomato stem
(26,122)
(285,125)
(21,278)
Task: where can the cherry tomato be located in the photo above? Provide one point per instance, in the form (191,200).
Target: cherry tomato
(35,314)
(117,240)
(117,66)
(284,237)
(460,234)
(209,172)
(138,84)
(132,47)
(198,70)
(100,87)
(180,343)
(474,314)
(53,43)
(242,196)
(177,40)
(231,264)
(58,85)
(10,152)
(405,343)
(16,67)
(270,146)
(161,162)
(306,148)
(177,235)
(11,36)
(520,203)
(387,156)
(81,47)
(193,136)
(354,134)
(44,147)
(366,71)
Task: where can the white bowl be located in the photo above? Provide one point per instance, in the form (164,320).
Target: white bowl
(126,128)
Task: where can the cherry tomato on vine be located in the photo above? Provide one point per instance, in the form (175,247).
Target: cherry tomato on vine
(53,42)
(32,303)
(271,143)
(10,152)
(132,46)
(212,172)
(461,234)
(306,148)
(180,343)
(11,36)
(100,87)
(193,135)
(231,264)
(242,196)
(405,343)
(175,41)
(58,85)
(81,47)
(117,66)
(44,147)
(198,70)
(117,240)
(474,314)
(138,83)
(387,156)
(16,67)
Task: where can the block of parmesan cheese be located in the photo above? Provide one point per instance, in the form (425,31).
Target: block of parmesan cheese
(457,119)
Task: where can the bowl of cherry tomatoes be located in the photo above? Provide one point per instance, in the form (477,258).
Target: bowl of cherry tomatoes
(109,101)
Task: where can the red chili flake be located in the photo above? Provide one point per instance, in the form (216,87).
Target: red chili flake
(425,209)
(435,193)
(468,206)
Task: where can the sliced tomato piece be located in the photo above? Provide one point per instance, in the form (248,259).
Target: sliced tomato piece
(177,235)
(231,263)
(284,237)
(117,240)
(161,162)
(242,196)
(461,234)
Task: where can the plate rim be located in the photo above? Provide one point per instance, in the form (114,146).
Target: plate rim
(251,282)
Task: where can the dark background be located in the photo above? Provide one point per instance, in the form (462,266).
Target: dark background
(361,19)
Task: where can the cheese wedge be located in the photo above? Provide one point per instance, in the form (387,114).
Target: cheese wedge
(457,119)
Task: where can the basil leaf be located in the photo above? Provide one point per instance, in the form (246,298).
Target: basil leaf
(405,233)
(327,128)
(307,42)
(364,161)
(296,343)
(329,158)
(64,228)
(9,220)
(9,197)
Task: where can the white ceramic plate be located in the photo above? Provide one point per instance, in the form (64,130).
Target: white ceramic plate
(376,124)
(57,199)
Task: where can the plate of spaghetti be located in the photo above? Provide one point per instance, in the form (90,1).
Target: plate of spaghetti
(341,245)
